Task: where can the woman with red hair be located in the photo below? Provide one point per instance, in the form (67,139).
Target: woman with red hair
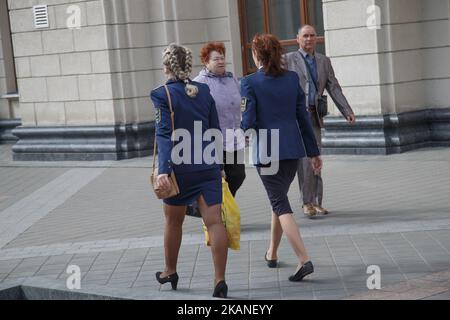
(224,89)
(275,104)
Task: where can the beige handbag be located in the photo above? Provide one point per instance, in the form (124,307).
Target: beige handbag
(173,190)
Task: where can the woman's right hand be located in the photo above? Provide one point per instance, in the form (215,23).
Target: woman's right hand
(163,182)
(316,163)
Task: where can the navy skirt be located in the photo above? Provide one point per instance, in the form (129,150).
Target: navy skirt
(277,186)
(207,183)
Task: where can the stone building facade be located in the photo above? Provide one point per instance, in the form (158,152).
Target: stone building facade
(82,83)
(396,76)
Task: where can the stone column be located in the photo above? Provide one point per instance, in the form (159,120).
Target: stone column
(8,103)
(4,107)
(394,75)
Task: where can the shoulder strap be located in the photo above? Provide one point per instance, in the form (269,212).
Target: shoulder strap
(172,114)
(172,118)
(310,72)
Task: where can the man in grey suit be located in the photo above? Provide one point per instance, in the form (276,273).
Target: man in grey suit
(316,74)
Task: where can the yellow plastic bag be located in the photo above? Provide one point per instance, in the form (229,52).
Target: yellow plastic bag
(231,218)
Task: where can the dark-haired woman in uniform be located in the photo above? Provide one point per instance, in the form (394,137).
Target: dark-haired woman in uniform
(201,182)
(273,100)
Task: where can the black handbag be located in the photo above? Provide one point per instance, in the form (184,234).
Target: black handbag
(322,100)
(193,211)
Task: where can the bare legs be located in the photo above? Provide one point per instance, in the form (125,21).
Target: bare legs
(287,224)
(173,234)
(212,218)
(276,232)
(174,230)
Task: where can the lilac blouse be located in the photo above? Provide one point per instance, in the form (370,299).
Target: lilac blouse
(226,93)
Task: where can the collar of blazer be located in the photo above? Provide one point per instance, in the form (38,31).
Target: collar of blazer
(320,62)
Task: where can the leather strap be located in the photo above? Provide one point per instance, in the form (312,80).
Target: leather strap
(310,73)
(172,118)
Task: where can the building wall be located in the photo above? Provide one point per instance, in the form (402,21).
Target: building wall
(418,50)
(401,67)
(139,30)
(102,73)
(60,78)
(97,78)
(90,85)
(395,76)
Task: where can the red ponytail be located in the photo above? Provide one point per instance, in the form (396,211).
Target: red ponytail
(269,52)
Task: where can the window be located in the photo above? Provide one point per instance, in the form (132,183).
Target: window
(5,32)
(281,18)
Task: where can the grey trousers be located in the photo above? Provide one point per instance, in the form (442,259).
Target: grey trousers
(310,184)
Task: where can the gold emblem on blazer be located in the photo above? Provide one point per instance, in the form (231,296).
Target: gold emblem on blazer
(243,104)
(158,115)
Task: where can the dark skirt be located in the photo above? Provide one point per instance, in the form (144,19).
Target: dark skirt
(277,186)
(193,184)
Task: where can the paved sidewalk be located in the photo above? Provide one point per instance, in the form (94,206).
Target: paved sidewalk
(388,211)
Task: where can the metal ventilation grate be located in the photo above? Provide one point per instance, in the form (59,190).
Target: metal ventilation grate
(40,16)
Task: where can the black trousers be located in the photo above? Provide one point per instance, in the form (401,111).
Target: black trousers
(234,172)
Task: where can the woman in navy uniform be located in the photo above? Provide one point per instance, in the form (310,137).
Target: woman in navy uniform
(272,99)
(198,181)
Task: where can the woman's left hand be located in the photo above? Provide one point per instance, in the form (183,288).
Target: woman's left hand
(163,182)
(351,119)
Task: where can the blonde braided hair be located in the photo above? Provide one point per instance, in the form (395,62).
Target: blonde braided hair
(178,60)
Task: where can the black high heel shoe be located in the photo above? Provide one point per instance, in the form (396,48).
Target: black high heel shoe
(221,290)
(173,279)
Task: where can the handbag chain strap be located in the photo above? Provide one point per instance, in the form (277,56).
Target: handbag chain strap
(172,118)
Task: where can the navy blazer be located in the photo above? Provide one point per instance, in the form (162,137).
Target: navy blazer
(278,103)
(187,110)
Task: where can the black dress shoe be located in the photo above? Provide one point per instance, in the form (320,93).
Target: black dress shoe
(173,279)
(271,263)
(221,290)
(306,269)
